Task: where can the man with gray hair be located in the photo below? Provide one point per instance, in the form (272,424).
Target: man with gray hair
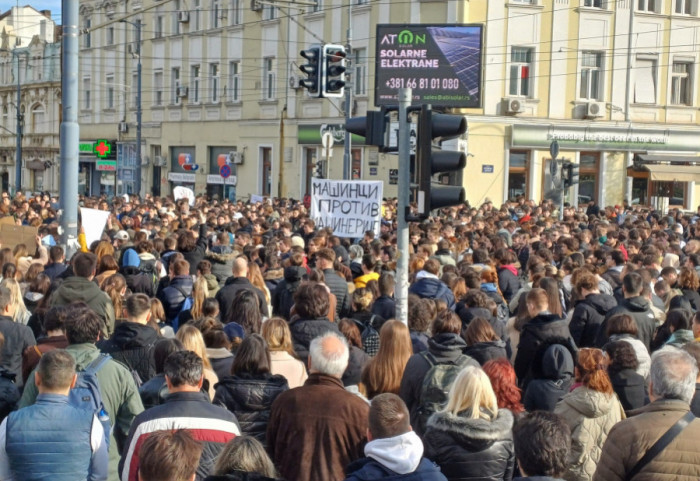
(671,388)
(317,429)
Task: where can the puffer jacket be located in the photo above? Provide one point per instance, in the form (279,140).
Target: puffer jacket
(640,310)
(471,449)
(588,316)
(631,438)
(590,415)
(305,330)
(137,281)
(250,398)
(432,288)
(552,374)
(283,295)
(222,263)
(482,352)
(132,344)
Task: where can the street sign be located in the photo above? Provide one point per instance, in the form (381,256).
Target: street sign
(327,140)
(225,171)
(487,169)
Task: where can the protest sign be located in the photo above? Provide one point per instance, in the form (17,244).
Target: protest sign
(255,198)
(348,207)
(93,223)
(181,192)
(12,235)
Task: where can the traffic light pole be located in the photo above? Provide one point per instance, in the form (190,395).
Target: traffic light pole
(401,290)
(347,153)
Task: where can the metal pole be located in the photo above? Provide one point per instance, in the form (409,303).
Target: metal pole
(347,154)
(138,100)
(628,91)
(401,291)
(70,130)
(563,190)
(18,154)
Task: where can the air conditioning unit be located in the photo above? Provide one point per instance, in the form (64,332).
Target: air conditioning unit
(182,91)
(236,157)
(145,160)
(512,106)
(123,127)
(256,6)
(294,81)
(595,110)
(158,161)
(183,16)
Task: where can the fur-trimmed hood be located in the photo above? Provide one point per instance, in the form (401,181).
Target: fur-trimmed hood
(476,434)
(221,258)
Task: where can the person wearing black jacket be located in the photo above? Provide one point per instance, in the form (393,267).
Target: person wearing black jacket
(385,305)
(636,307)
(311,304)
(339,287)
(179,288)
(250,389)
(193,249)
(133,341)
(542,326)
(615,261)
(154,391)
(446,346)
(17,336)
(283,295)
(629,386)
(552,375)
(238,282)
(483,344)
(590,311)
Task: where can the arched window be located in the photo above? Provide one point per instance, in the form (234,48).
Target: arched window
(38,120)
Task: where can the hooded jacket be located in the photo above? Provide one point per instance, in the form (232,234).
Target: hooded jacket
(273,277)
(588,316)
(77,288)
(508,281)
(174,295)
(226,295)
(482,352)
(432,288)
(639,309)
(132,344)
(590,415)
(630,388)
(552,374)
(446,348)
(18,338)
(471,449)
(534,333)
(250,399)
(306,330)
(283,295)
(222,263)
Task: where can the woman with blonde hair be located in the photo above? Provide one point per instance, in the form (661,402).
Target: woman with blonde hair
(471,437)
(21,313)
(192,339)
(256,278)
(200,293)
(115,287)
(106,267)
(283,359)
(103,248)
(383,372)
(590,410)
(367,322)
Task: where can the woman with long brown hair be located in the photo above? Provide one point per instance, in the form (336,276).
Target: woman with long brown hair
(590,410)
(383,373)
(256,278)
(115,287)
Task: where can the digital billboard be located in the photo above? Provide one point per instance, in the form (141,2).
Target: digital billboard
(441,63)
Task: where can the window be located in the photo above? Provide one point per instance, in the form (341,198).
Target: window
(360,71)
(110,91)
(38,119)
(591,75)
(158,87)
(645,80)
(214,81)
(218,14)
(110,36)
(194,91)
(268,78)
(588,177)
(649,6)
(175,85)
(158,28)
(87,40)
(86,93)
(5,115)
(594,3)
(686,7)
(196,21)
(236,12)
(360,2)
(317,7)
(681,83)
(520,71)
(234,81)
(176,17)
(517,174)
(269,12)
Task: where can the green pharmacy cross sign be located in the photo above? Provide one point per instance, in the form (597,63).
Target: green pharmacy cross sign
(102,149)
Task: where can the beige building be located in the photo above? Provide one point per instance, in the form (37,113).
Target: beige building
(220,80)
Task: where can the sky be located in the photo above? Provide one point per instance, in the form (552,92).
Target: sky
(53,5)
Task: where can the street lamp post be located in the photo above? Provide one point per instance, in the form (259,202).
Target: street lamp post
(18,155)
(137,26)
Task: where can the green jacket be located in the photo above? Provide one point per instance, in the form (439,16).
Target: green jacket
(77,288)
(119,395)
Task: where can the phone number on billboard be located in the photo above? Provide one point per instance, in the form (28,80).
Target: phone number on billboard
(423,83)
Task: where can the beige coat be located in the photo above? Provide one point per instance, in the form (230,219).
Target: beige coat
(590,415)
(289,367)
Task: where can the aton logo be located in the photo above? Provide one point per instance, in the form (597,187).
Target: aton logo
(404,37)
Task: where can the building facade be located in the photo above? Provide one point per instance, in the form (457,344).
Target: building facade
(220,80)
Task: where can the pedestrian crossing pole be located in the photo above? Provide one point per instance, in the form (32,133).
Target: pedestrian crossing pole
(404,142)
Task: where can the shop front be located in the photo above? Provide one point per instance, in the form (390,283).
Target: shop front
(183,167)
(223,173)
(97,168)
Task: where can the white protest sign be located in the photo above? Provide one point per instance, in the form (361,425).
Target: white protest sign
(348,207)
(181,192)
(255,198)
(93,223)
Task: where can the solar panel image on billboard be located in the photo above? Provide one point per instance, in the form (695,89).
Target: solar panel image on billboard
(441,63)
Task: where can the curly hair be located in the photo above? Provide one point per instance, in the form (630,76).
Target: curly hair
(622,356)
(503,381)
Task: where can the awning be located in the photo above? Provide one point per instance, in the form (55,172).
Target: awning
(681,159)
(667,173)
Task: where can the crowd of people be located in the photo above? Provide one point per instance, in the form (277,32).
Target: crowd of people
(238,341)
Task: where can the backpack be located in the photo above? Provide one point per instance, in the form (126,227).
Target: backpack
(149,268)
(186,306)
(370,336)
(86,393)
(436,385)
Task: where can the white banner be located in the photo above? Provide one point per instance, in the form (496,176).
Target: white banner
(93,223)
(180,192)
(180,177)
(255,198)
(349,207)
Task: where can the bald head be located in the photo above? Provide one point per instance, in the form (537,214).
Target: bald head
(240,267)
(329,354)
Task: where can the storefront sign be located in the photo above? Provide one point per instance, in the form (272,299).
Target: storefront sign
(313,134)
(217,179)
(441,63)
(106,165)
(348,208)
(182,178)
(616,139)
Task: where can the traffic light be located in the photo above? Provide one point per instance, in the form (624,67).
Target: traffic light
(570,174)
(312,70)
(318,171)
(373,128)
(432,126)
(333,71)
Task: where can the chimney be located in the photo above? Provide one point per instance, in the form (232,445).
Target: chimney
(46,13)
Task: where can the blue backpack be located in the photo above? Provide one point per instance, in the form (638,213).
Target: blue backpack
(86,393)
(186,306)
